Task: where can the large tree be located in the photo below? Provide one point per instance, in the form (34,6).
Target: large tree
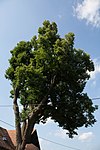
(48,75)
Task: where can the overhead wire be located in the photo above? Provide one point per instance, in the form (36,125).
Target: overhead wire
(7,123)
(58,143)
(96,98)
(6,105)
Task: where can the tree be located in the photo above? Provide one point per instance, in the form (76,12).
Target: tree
(48,76)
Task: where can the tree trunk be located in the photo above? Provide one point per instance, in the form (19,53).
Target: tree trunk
(18,147)
(17,120)
(27,134)
(23,127)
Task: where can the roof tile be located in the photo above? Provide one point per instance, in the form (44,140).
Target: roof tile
(5,141)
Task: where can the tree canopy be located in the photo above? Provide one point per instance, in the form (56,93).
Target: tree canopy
(48,75)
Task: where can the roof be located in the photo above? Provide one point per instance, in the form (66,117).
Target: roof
(31,147)
(12,134)
(34,145)
(5,141)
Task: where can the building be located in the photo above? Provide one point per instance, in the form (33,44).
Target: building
(5,140)
(8,140)
(34,145)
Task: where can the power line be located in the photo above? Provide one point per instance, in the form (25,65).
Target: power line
(59,144)
(6,105)
(6,123)
(44,138)
(96,98)
(18,105)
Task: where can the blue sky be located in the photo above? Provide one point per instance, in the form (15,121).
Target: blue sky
(19,20)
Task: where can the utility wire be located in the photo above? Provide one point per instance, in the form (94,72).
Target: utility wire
(6,105)
(96,98)
(18,105)
(7,123)
(59,144)
(44,138)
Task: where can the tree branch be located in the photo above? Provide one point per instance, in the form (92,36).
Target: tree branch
(38,108)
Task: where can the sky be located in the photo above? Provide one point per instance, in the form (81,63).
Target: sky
(19,20)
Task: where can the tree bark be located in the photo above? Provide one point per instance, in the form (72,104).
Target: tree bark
(17,120)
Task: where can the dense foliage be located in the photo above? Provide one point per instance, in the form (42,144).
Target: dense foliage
(49,75)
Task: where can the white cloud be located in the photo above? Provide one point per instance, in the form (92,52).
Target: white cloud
(61,133)
(97,69)
(49,121)
(88,10)
(86,136)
